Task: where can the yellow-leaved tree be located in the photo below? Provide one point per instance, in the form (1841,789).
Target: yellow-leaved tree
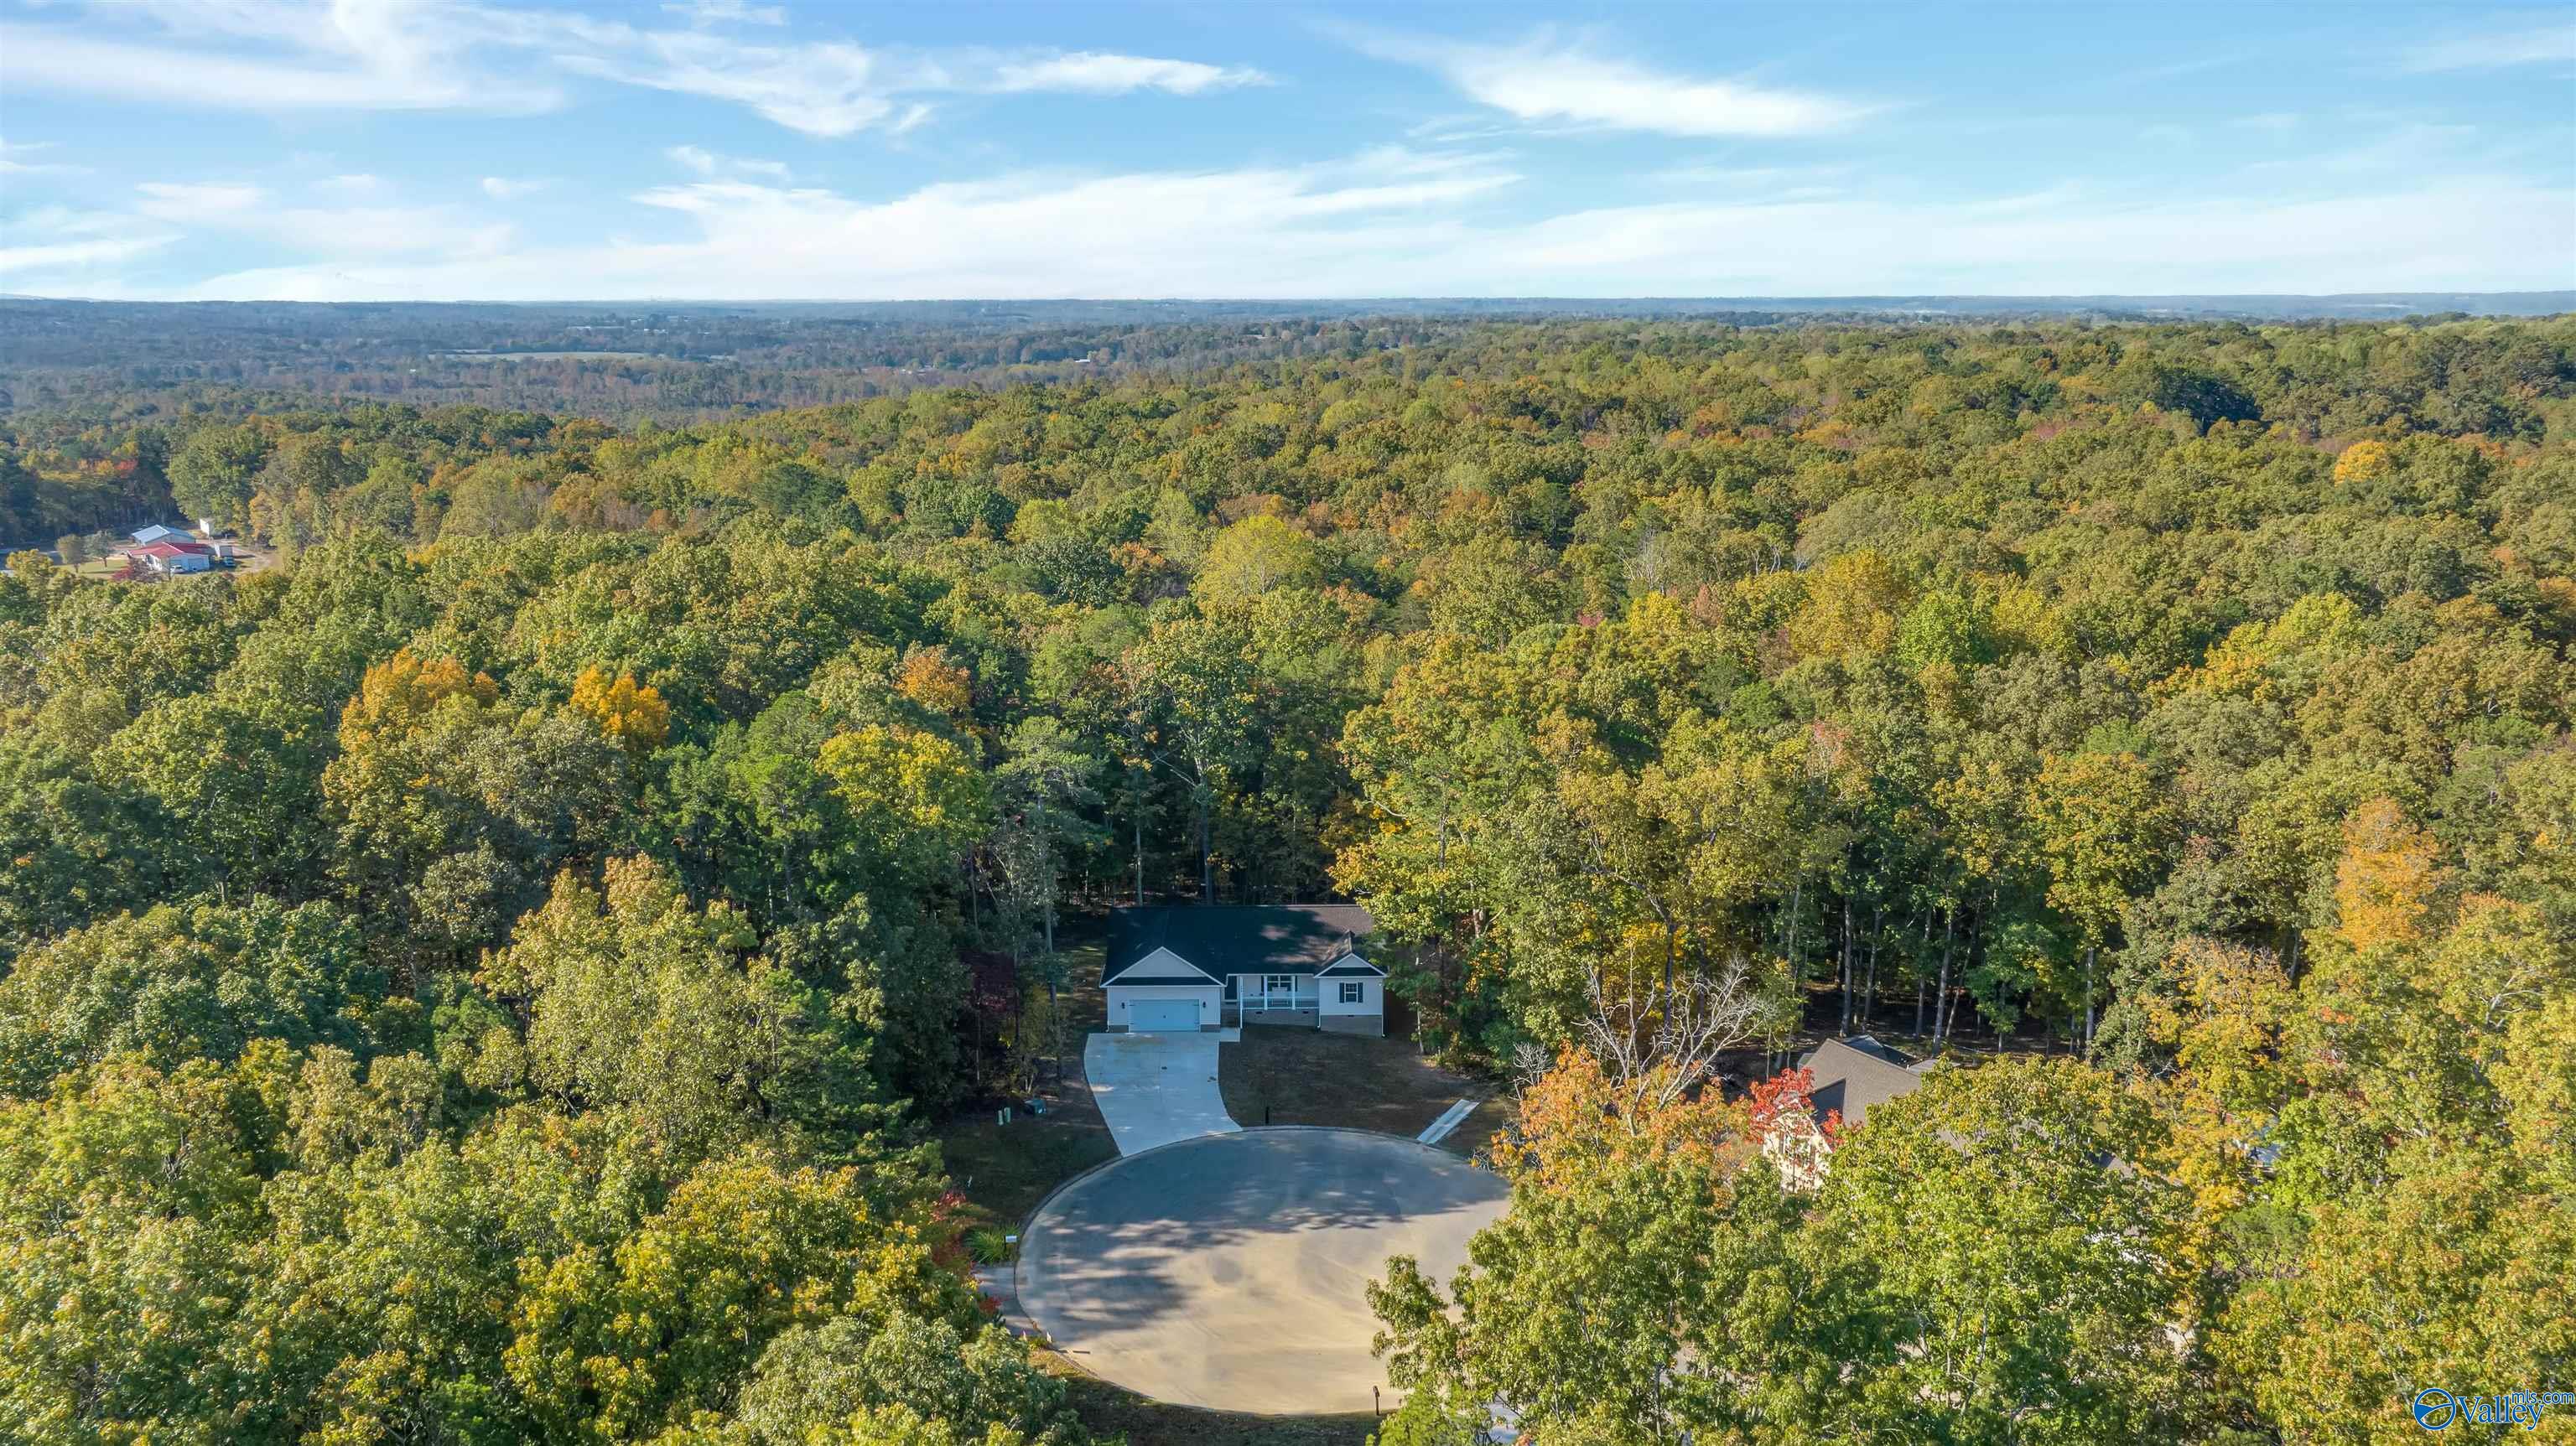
(634,718)
(2388,880)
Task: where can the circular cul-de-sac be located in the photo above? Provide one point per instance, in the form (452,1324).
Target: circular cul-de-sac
(1231,1271)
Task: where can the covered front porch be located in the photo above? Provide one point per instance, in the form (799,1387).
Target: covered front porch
(1291,999)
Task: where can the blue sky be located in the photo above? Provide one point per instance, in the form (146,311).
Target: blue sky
(737,149)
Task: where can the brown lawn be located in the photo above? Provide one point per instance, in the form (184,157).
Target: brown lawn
(1285,1075)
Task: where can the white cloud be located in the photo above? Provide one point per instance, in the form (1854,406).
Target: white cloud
(358,184)
(277,55)
(511,188)
(355,231)
(68,251)
(1397,223)
(2495,49)
(822,89)
(728,12)
(280,55)
(1151,233)
(15,159)
(197,200)
(1092,73)
(1546,81)
(707,163)
(2473,233)
(363,232)
(61,256)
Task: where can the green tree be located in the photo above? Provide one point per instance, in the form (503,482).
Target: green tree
(1255,556)
(2102,822)
(635,1002)
(211,474)
(1193,687)
(198,980)
(2003,1263)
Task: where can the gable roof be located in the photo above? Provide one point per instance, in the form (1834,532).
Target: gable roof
(1851,1075)
(1159,965)
(1234,938)
(170,551)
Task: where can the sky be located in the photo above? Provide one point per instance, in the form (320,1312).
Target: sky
(339,150)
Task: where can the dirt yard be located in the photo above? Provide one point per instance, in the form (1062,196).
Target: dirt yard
(1284,1075)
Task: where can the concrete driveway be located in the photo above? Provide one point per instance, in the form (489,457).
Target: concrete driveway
(1230,1271)
(1154,1089)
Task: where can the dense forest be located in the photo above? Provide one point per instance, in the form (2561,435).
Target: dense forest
(493,972)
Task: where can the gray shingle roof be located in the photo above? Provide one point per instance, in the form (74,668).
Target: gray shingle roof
(1236,938)
(1851,1075)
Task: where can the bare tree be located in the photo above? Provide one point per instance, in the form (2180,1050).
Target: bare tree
(1669,1042)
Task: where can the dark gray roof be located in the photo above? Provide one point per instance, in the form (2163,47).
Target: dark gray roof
(1851,1075)
(1192,980)
(1870,1046)
(1237,938)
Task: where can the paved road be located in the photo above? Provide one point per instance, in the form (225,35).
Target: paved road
(1154,1089)
(1229,1271)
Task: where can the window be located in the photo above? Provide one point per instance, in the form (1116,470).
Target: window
(1279,984)
(1354,992)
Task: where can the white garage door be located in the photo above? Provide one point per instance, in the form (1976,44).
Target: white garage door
(1149,1015)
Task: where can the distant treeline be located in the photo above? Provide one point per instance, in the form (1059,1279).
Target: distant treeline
(700,362)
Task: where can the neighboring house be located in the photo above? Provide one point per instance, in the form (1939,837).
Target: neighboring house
(1193,966)
(158,533)
(1848,1076)
(1803,1114)
(171,557)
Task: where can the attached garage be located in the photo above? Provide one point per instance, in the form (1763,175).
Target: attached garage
(1164,994)
(1164,1016)
(1165,1008)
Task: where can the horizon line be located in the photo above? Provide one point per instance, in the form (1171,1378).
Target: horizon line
(1804,298)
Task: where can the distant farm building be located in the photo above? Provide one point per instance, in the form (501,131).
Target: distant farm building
(170,557)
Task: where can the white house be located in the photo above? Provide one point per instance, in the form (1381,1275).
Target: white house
(1205,966)
(171,557)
